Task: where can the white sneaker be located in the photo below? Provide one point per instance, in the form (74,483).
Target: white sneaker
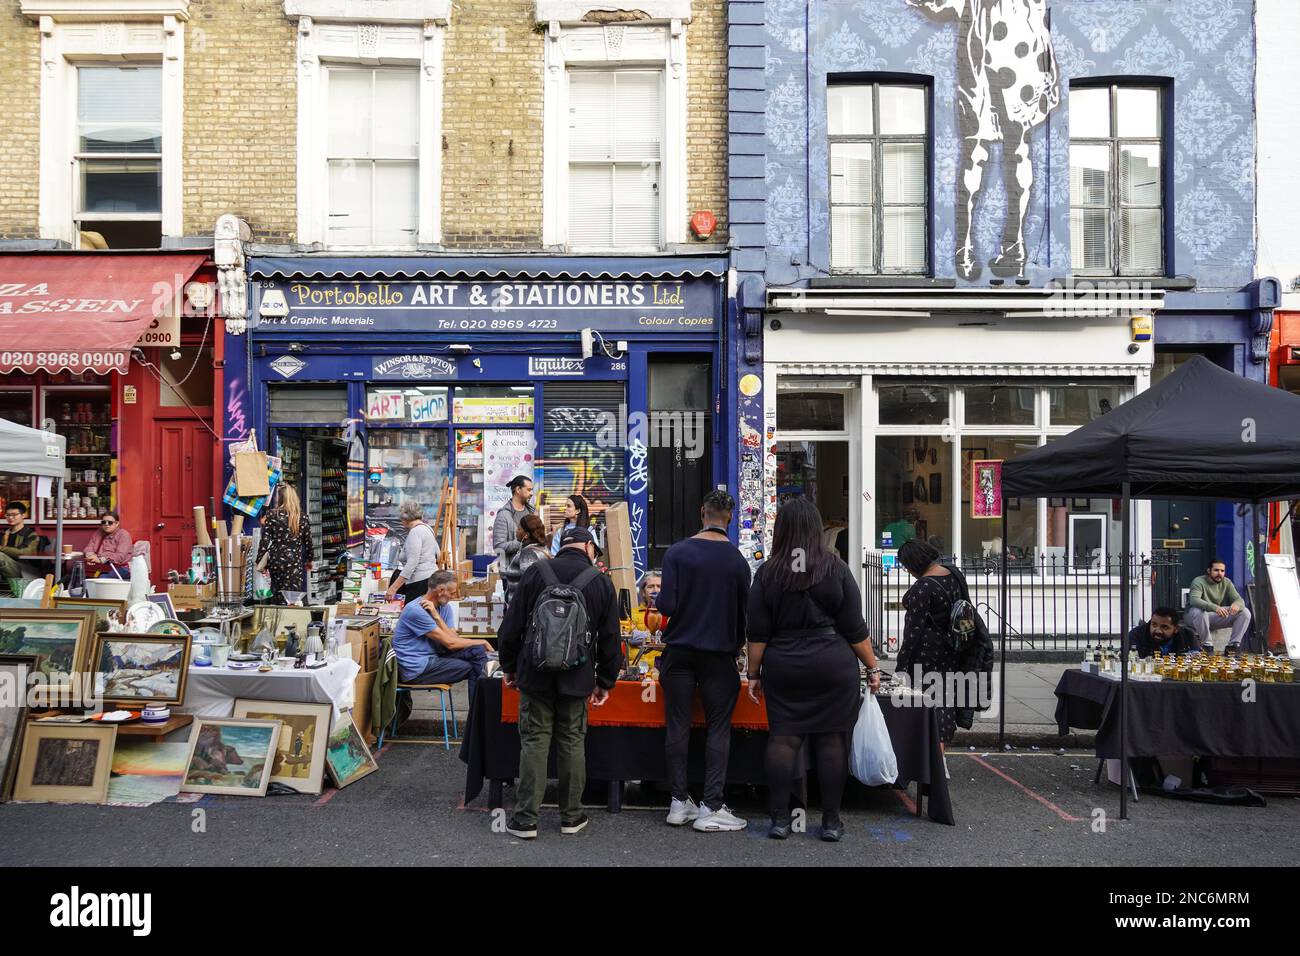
(682,812)
(720,820)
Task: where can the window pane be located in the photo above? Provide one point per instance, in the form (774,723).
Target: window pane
(1139,240)
(849,110)
(119,109)
(1080,404)
(121,186)
(1089,113)
(1139,174)
(980,536)
(684,384)
(349,208)
(639,123)
(1089,175)
(396,201)
(397,113)
(636,205)
(809,411)
(904,173)
(1139,112)
(902,109)
(591,205)
(852,238)
(904,240)
(349,115)
(851,172)
(412,466)
(591,111)
(1089,240)
(913,404)
(999,405)
(913,491)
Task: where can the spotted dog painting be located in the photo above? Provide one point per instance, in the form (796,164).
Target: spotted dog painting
(1007,83)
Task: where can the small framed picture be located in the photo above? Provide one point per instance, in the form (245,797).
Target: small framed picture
(164,601)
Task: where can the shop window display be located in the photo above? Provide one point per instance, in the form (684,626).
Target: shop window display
(81,414)
(912,497)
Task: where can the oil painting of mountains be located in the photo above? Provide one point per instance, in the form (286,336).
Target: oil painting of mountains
(142,669)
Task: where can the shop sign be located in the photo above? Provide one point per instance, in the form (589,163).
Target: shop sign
(394,405)
(288,366)
(549,366)
(516,410)
(655,305)
(164,331)
(411,367)
(128,394)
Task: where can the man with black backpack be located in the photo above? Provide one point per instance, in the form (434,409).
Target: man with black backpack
(559,645)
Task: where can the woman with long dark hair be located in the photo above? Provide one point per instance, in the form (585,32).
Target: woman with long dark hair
(806,636)
(576,515)
(927,646)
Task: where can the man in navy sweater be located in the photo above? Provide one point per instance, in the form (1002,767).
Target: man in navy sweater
(704,594)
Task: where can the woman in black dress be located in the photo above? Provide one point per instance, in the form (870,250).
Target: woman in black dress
(927,647)
(286,544)
(806,636)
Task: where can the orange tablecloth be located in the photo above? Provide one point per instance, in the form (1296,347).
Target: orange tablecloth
(633,704)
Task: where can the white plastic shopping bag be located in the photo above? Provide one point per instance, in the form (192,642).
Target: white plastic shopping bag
(872,757)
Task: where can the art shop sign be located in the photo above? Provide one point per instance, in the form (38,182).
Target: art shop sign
(668,305)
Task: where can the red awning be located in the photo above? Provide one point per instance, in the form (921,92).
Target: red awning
(83,312)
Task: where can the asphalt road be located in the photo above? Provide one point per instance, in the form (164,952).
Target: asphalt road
(1012,809)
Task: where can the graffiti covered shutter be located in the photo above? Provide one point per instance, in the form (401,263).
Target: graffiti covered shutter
(583,442)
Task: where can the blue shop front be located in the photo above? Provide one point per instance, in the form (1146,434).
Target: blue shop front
(380,381)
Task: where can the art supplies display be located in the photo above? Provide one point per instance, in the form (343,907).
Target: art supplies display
(64,763)
(230,756)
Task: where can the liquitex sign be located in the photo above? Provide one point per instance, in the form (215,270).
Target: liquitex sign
(550,366)
(547,306)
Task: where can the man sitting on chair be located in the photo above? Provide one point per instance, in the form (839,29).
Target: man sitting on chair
(18,539)
(1213,604)
(428,649)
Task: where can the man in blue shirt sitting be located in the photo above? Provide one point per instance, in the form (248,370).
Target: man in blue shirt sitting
(428,649)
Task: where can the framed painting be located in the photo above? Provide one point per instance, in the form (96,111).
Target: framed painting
(102,607)
(14,671)
(65,763)
(936,488)
(164,601)
(141,669)
(304,735)
(347,756)
(986,488)
(231,756)
(144,772)
(59,638)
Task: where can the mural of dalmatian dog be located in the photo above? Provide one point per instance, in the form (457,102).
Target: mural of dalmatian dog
(1007,83)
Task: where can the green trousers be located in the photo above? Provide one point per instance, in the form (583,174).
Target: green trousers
(540,719)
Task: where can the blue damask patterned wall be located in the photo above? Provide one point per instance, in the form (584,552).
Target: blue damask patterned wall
(1204,47)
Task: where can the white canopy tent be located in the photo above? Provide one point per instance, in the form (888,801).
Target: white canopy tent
(30,451)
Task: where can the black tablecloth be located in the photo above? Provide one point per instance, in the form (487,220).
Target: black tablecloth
(1179,717)
(490,751)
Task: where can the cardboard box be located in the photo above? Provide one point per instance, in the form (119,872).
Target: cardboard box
(191,595)
(480,587)
(361,704)
(618,553)
(363,633)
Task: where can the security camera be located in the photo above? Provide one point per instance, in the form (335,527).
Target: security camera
(176,355)
(588,343)
(460,348)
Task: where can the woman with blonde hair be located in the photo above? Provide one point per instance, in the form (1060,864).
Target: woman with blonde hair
(286,544)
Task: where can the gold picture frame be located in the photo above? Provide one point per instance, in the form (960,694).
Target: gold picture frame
(47,633)
(101,606)
(111,685)
(65,763)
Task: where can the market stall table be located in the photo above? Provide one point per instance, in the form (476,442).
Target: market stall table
(212,691)
(1181,717)
(157,732)
(625,741)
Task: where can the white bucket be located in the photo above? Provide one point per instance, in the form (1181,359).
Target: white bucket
(108,589)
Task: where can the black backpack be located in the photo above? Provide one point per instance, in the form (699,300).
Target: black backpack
(559,629)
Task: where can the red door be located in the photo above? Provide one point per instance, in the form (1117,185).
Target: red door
(183,479)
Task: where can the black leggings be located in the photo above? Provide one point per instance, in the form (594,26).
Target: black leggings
(831,753)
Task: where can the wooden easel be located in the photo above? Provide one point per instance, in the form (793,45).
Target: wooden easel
(445,527)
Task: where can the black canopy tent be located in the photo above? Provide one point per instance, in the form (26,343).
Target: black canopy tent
(1201,433)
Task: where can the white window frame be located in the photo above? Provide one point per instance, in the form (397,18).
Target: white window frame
(78,33)
(408,33)
(653,45)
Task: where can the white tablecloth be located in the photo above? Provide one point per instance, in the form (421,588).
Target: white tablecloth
(211,691)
